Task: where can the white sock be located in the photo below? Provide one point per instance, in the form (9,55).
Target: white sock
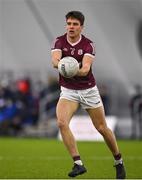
(78,162)
(120,161)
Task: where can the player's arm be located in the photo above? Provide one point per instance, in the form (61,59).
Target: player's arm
(56,56)
(86,65)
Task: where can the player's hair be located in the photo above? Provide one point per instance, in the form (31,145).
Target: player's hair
(76,15)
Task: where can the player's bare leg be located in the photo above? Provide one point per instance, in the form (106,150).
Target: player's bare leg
(65,111)
(98,118)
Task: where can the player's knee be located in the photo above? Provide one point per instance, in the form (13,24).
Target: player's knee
(102,129)
(61,123)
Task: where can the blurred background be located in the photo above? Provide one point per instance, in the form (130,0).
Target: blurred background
(29,87)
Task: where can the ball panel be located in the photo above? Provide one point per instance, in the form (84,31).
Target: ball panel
(68,67)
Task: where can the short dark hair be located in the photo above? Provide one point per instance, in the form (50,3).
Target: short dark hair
(76,15)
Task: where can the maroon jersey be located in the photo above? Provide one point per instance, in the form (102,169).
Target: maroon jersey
(76,50)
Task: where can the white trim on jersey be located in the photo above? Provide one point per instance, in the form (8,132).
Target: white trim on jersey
(54,42)
(87,54)
(73,44)
(56,50)
(93,47)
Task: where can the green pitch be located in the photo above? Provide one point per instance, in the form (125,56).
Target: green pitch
(48,159)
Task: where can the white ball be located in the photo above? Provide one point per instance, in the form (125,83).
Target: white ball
(68,67)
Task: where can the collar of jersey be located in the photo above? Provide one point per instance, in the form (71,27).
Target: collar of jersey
(73,44)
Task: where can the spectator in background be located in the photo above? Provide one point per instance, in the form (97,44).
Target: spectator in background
(9,115)
(136,112)
(49,97)
(18,106)
(28,104)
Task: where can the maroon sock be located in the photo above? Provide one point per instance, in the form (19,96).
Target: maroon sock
(117,157)
(75,158)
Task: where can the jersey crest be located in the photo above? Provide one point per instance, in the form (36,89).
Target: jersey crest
(80,52)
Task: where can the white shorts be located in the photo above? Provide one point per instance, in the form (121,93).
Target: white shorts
(88,98)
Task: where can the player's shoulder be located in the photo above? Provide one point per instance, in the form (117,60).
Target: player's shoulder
(87,40)
(62,37)
(58,41)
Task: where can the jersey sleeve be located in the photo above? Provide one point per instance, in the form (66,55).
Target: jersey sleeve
(56,45)
(90,49)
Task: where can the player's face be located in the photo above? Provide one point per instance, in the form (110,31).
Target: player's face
(73,28)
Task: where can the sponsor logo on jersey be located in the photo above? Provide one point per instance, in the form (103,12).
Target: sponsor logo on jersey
(65,49)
